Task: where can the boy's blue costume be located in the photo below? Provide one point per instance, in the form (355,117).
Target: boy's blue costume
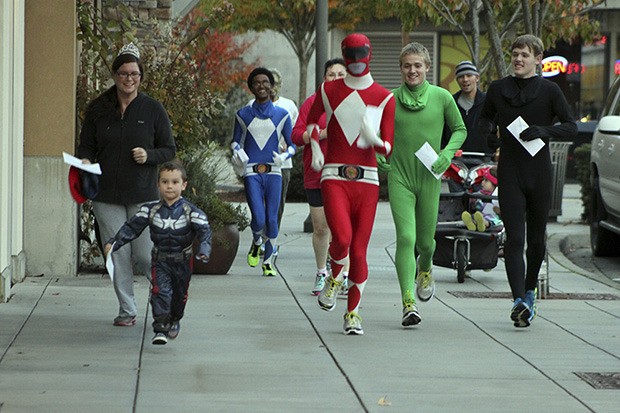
(173,230)
(257,131)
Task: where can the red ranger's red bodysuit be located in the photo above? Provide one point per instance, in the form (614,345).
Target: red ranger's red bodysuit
(357,109)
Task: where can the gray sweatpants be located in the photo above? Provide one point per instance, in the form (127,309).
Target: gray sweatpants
(110,218)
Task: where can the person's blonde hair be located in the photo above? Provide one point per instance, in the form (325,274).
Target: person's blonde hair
(529,40)
(415,48)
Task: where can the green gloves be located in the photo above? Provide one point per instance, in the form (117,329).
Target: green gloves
(442,163)
(383,163)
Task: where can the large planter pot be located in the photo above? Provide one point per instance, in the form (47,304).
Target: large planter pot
(224,245)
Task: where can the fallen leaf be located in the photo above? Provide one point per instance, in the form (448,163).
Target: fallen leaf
(384,401)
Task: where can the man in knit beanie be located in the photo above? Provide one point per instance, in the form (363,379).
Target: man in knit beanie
(469,100)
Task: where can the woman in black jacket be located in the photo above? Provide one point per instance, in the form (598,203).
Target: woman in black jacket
(129,134)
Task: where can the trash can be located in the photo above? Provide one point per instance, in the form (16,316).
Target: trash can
(559,154)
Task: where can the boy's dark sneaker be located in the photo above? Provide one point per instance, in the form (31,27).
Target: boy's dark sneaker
(124,321)
(520,313)
(174,330)
(159,339)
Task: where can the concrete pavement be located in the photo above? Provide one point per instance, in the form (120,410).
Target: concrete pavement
(250,343)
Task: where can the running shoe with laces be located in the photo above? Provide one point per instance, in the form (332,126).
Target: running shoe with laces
(268,270)
(411,317)
(520,313)
(174,330)
(159,339)
(344,288)
(319,283)
(425,285)
(124,321)
(530,300)
(253,255)
(327,296)
(353,324)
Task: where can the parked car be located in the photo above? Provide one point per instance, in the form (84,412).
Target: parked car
(605,178)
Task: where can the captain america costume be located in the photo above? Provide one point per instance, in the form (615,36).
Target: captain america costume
(173,230)
(357,110)
(257,131)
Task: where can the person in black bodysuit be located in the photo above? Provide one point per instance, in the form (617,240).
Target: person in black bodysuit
(525,189)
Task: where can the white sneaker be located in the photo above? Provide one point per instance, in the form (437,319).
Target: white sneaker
(353,324)
(425,285)
(344,288)
(319,283)
(411,316)
(327,296)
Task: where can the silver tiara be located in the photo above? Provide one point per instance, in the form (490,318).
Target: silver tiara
(130,49)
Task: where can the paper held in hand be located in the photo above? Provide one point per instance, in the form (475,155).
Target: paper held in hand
(93,168)
(519,125)
(109,264)
(426,154)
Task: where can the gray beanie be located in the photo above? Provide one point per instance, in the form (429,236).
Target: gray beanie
(465,68)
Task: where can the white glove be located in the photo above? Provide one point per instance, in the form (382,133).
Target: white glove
(317,156)
(239,159)
(279,158)
(368,137)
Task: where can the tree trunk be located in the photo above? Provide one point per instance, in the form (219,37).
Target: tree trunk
(494,39)
(303,78)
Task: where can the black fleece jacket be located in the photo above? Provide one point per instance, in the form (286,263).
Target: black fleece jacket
(108,139)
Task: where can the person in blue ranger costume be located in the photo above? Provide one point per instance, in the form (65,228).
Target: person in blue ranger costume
(256,157)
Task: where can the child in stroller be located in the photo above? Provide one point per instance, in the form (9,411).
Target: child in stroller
(457,246)
(486,212)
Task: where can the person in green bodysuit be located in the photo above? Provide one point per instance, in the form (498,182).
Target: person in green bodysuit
(421,110)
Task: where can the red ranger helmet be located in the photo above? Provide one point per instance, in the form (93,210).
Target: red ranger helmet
(356,51)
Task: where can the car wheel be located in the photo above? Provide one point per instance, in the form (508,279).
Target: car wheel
(604,243)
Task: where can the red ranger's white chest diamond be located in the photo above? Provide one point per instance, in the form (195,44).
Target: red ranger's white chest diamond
(349,115)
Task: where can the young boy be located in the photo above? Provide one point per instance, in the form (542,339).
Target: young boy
(174,224)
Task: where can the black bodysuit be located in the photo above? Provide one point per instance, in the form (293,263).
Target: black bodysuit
(525,181)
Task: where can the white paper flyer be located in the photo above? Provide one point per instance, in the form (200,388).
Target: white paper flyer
(519,125)
(426,154)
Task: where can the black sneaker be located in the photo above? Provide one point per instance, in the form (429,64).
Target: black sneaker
(159,339)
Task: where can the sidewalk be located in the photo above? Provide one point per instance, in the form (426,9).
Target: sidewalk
(255,344)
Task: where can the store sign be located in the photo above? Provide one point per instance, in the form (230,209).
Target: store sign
(554,65)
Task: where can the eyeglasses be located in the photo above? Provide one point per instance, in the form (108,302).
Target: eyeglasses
(125,75)
(264,83)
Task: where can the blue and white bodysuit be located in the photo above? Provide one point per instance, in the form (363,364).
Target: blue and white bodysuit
(257,131)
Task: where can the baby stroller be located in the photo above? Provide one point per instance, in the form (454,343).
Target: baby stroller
(456,246)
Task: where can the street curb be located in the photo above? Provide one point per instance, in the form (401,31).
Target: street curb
(558,250)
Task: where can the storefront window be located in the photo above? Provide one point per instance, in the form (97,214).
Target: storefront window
(593,84)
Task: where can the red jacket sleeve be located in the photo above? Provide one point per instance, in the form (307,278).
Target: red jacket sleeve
(300,126)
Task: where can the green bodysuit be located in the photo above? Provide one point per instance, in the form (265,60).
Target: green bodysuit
(413,190)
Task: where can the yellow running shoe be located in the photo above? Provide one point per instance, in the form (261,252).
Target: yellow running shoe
(253,255)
